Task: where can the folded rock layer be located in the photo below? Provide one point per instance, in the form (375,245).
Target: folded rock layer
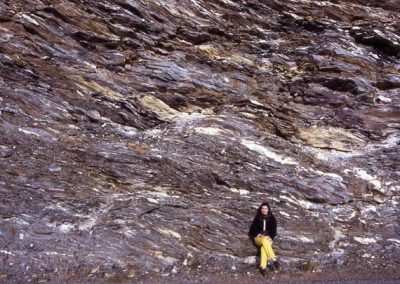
(138,138)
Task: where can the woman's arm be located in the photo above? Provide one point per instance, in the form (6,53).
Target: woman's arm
(272,227)
(253,231)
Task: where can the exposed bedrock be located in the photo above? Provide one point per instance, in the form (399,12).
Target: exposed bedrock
(137,138)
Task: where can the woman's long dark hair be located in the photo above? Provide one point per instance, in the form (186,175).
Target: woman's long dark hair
(259,214)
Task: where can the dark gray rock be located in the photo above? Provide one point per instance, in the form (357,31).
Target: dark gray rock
(139,137)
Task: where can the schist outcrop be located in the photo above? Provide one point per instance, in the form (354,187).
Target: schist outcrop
(137,138)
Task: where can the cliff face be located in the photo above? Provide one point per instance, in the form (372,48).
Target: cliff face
(139,137)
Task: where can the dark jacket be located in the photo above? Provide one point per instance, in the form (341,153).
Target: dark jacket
(257,226)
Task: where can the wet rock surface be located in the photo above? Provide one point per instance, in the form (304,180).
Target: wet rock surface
(139,137)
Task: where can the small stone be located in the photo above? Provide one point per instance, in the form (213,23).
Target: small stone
(54,168)
(308,265)
(131,274)
(95,269)
(5,152)
(108,275)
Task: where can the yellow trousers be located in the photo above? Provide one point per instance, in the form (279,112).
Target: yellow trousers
(267,254)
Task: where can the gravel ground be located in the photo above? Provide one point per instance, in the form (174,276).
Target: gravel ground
(305,278)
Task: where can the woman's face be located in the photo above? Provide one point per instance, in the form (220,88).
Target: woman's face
(264,210)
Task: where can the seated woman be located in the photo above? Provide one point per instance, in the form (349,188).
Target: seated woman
(262,232)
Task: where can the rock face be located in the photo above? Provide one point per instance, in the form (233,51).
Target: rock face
(139,137)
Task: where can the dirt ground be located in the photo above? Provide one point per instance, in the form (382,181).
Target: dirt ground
(331,277)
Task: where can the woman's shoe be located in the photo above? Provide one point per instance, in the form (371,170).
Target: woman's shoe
(263,271)
(271,267)
(276,265)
